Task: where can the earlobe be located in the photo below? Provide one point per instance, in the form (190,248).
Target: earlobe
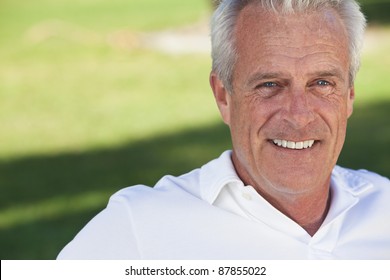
(351,99)
(222,97)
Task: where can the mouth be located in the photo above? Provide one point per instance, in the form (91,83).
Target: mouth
(294,145)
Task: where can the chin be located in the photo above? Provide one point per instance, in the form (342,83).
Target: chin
(297,182)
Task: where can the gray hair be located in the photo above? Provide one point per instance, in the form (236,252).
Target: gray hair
(223,22)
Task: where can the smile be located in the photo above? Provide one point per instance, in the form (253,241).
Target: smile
(294,145)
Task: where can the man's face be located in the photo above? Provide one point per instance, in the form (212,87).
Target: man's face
(291,99)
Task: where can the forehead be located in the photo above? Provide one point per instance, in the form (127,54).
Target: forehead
(261,31)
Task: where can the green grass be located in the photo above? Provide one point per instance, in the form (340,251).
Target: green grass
(82,116)
(61,77)
(100,15)
(376,11)
(99,99)
(368,136)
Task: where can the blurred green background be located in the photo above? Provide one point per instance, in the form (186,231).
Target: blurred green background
(88,106)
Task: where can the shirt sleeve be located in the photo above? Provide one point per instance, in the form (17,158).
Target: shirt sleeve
(109,235)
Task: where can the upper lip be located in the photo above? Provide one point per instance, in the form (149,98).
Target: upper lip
(297,145)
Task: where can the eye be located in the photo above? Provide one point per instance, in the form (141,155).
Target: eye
(269,84)
(322,83)
(323,87)
(268,89)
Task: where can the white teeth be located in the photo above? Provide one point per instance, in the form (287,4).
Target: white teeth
(299,145)
(291,145)
(294,145)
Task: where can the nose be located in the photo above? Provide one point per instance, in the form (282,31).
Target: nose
(298,111)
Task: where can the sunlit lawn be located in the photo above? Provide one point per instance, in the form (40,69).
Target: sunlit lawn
(82,115)
(68,83)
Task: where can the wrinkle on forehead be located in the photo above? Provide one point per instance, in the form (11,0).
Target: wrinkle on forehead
(326,24)
(299,52)
(265,39)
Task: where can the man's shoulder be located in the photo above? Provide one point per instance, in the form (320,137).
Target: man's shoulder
(200,183)
(168,188)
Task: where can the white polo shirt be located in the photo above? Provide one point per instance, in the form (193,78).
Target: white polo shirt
(209,214)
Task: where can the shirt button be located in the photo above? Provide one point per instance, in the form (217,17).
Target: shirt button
(247,196)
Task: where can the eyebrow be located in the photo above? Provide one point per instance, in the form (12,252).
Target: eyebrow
(265,76)
(329,73)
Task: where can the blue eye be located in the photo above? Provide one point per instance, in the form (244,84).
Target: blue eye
(323,83)
(269,84)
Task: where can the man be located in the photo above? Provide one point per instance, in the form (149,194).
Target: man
(283,79)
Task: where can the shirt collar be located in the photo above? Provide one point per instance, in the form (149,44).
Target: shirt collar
(346,189)
(350,181)
(215,175)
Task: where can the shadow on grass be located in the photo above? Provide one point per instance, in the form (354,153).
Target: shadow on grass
(367,145)
(31,180)
(377,12)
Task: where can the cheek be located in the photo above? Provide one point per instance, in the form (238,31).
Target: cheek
(333,104)
(246,118)
(250,118)
(268,116)
(342,110)
(334,115)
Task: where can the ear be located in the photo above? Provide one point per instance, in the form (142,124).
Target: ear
(350,100)
(222,97)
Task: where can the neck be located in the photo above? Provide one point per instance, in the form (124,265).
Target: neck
(307,204)
(315,215)
(309,211)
